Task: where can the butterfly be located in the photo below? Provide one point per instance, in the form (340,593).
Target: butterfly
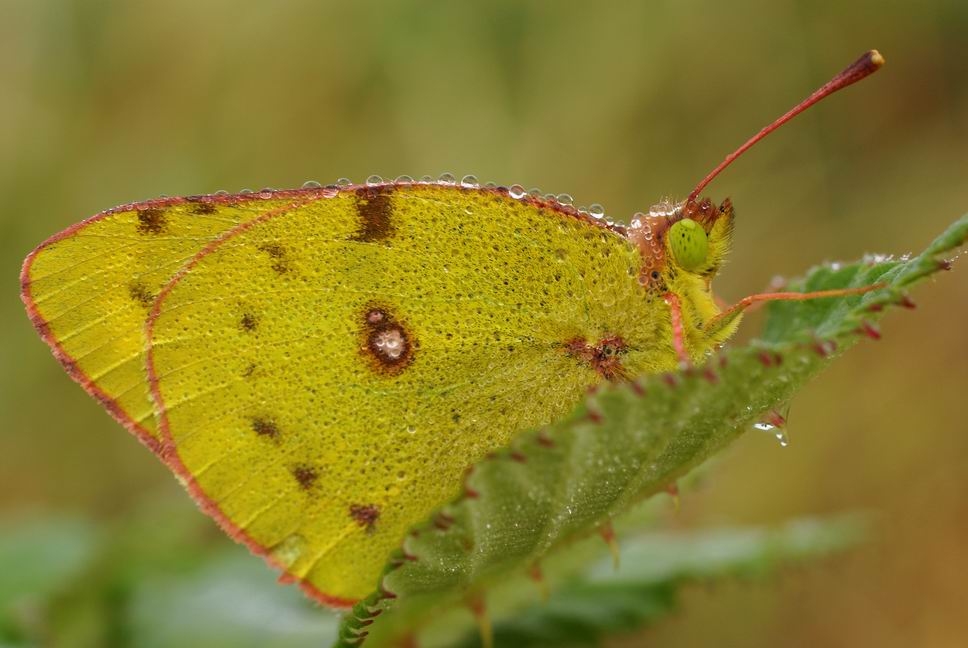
(320,366)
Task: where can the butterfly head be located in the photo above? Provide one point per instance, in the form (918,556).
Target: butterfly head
(682,241)
(690,239)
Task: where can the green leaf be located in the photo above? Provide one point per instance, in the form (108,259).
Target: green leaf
(605,600)
(231,602)
(625,443)
(158,579)
(40,559)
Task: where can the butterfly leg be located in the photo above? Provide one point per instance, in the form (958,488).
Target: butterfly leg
(733,311)
(678,330)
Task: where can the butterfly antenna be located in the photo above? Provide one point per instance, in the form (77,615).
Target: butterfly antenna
(867,64)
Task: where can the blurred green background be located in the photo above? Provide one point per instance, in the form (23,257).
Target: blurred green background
(621,103)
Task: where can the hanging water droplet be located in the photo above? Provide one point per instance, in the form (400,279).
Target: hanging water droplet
(469,181)
(374,180)
(246,191)
(534,192)
(565,199)
(447,178)
(426,178)
(221,192)
(404,179)
(517,191)
(596,210)
(265,193)
(583,210)
(775,421)
(344,182)
(311,184)
(412,429)
(490,185)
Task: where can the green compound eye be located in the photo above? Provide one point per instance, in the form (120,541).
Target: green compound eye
(688,242)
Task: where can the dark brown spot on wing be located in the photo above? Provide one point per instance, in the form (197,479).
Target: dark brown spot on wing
(387,343)
(151,221)
(306,476)
(365,515)
(249,322)
(249,370)
(375,208)
(265,427)
(200,205)
(140,293)
(277,257)
(604,357)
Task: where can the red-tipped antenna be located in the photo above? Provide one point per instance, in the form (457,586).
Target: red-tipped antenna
(862,67)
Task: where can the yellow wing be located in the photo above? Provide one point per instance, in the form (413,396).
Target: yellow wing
(89,289)
(324,375)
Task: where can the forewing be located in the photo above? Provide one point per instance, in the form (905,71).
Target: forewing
(324,376)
